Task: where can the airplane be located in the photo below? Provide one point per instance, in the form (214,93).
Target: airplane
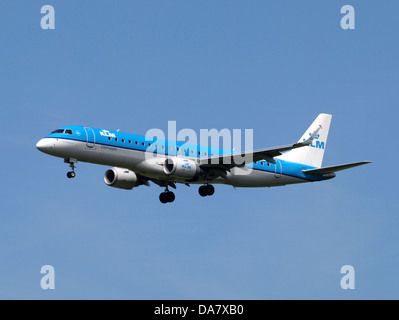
(138,160)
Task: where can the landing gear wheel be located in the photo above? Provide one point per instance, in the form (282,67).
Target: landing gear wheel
(170,196)
(163,198)
(210,190)
(207,190)
(202,191)
(71,174)
(167,197)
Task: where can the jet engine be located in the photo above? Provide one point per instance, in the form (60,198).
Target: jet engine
(121,178)
(181,168)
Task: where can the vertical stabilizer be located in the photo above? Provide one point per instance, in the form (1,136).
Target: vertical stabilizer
(313,154)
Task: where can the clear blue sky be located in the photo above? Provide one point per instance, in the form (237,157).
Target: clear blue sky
(271,66)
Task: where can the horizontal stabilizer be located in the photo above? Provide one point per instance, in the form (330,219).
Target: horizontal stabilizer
(335,168)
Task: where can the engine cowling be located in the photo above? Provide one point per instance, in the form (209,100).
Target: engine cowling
(121,178)
(182,168)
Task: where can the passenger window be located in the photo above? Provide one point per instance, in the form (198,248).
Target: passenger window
(116,139)
(109,138)
(123,140)
(130,141)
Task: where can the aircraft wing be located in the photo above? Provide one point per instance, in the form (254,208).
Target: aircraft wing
(335,168)
(240,159)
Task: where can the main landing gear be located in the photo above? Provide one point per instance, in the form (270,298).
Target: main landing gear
(206,190)
(167,196)
(71,174)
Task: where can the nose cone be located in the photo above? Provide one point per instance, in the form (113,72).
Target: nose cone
(45,145)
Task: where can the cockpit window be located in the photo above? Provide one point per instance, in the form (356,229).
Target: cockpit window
(69,132)
(58,131)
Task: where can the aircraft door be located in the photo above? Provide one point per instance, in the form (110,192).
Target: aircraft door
(279,169)
(90,138)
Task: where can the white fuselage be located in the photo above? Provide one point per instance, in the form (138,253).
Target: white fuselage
(151,165)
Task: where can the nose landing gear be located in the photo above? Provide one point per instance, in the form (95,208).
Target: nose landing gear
(71,174)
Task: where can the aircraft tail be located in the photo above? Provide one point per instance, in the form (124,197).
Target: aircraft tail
(313,154)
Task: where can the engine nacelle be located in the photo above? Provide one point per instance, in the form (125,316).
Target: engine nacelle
(121,178)
(182,168)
